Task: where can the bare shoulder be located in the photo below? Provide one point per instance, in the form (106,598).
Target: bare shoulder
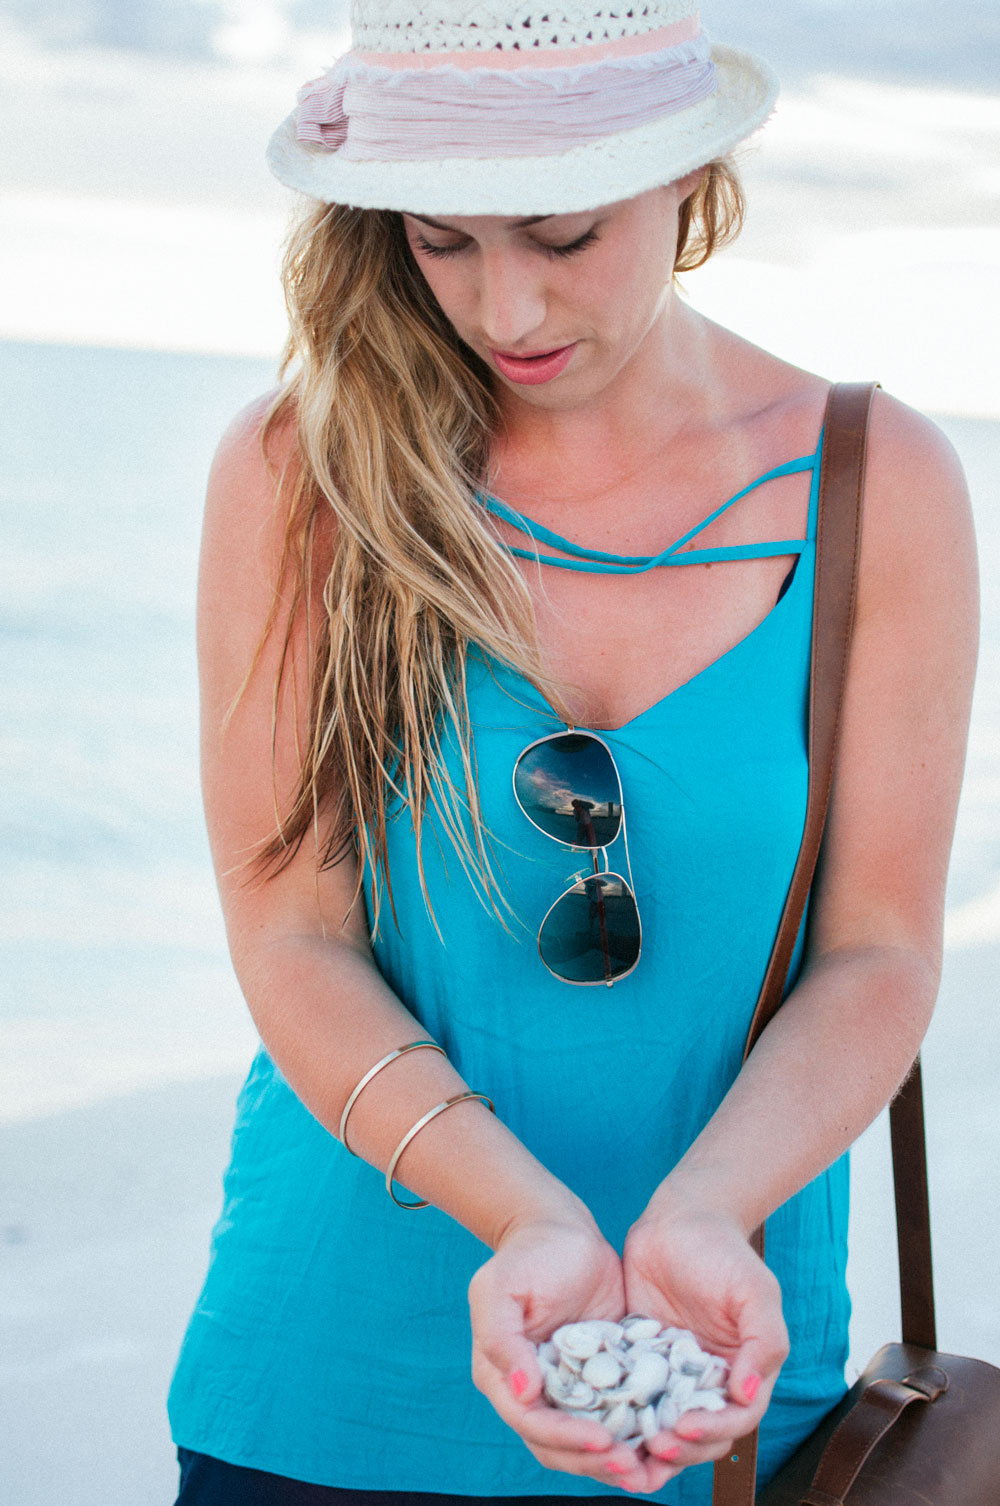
(243,540)
(916,497)
(251,487)
(907,699)
(911,461)
(918,533)
(245,477)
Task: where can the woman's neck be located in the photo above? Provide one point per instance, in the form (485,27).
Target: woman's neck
(667,388)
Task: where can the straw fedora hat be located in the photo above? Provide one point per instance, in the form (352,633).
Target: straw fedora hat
(508,107)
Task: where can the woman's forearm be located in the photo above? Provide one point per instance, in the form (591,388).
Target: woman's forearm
(326,1015)
(830,1060)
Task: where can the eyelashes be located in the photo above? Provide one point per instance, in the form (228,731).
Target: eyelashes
(585,240)
(429,250)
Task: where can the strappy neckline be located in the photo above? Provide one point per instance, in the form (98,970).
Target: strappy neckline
(600,562)
(768,621)
(782,605)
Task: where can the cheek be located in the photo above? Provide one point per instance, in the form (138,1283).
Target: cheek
(446,284)
(628,290)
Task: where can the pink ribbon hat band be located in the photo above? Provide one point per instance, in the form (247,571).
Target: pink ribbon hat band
(430,93)
(367,112)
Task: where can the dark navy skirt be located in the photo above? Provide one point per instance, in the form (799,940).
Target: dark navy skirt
(211,1482)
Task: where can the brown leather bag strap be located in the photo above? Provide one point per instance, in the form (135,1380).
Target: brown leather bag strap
(734,1479)
(866,1424)
(913,1214)
(838,534)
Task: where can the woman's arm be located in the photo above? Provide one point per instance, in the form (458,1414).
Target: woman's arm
(300,951)
(325,1013)
(844,1040)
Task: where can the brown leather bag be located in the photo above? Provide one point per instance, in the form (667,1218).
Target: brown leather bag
(919,1428)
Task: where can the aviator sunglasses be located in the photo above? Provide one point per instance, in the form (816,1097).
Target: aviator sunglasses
(568,786)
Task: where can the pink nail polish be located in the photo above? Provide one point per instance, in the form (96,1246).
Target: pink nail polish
(751,1386)
(690,1435)
(595,1448)
(670,1454)
(518,1381)
(614,1468)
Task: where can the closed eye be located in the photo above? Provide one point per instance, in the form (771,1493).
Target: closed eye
(580,244)
(585,240)
(430,250)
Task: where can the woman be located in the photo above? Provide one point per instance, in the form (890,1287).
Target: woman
(502,410)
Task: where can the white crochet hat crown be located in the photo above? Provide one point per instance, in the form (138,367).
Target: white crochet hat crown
(500,107)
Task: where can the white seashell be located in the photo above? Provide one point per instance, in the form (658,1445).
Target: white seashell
(582,1398)
(637,1327)
(602,1371)
(620,1351)
(648,1377)
(578,1341)
(705,1401)
(573,1394)
(686,1355)
(633,1377)
(643,1346)
(714,1374)
(615,1394)
(611,1333)
(661,1345)
(620,1421)
(648,1425)
(667,1412)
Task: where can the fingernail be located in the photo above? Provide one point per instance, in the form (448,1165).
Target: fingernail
(751,1386)
(518,1381)
(614,1468)
(670,1454)
(596,1448)
(690,1435)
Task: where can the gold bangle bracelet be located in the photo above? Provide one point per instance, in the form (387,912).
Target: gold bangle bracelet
(373,1072)
(415,1130)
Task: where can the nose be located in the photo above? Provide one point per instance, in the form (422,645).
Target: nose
(512,302)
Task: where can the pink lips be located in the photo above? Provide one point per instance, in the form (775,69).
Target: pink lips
(529,371)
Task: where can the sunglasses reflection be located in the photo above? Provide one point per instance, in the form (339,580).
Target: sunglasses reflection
(591,934)
(568,787)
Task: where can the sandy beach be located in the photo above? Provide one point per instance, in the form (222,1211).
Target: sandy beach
(139,309)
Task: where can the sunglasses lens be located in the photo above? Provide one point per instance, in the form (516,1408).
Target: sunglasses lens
(568,787)
(591,934)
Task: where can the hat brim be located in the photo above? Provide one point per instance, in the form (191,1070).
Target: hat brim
(584,177)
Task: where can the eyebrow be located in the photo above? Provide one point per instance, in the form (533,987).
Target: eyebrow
(533,219)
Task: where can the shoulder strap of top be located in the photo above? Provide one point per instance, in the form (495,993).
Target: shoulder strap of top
(599,562)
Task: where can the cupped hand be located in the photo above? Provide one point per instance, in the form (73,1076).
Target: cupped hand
(544,1274)
(694,1268)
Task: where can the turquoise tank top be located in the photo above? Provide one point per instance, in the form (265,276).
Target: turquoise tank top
(331,1339)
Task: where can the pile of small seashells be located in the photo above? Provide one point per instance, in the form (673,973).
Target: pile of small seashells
(633,1377)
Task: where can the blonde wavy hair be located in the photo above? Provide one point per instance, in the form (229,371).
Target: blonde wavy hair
(393,418)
